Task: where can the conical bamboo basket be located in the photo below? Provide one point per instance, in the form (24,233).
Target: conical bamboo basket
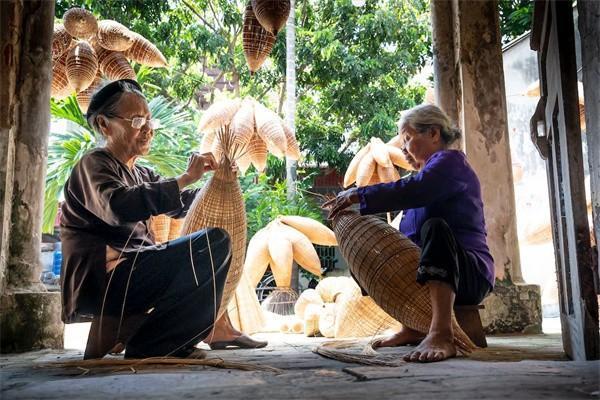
(269,128)
(114,36)
(61,41)
(293,150)
(272,14)
(60,87)
(82,65)
(115,66)
(80,23)
(360,316)
(160,225)
(242,124)
(220,205)
(219,114)
(175,228)
(257,149)
(85,96)
(142,51)
(257,41)
(385,263)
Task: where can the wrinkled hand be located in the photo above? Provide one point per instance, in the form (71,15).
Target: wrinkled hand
(198,164)
(342,201)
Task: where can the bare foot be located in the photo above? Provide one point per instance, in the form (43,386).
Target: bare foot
(404,337)
(435,347)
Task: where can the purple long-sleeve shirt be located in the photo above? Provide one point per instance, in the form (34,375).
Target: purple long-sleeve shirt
(447,188)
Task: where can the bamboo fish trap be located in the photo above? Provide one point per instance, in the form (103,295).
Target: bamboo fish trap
(360,316)
(385,262)
(145,52)
(114,36)
(60,87)
(220,205)
(82,65)
(271,14)
(80,23)
(85,96)
(257,41)
(115,66)
(61,41)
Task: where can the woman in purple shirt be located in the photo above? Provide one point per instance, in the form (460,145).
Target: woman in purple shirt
(443,215)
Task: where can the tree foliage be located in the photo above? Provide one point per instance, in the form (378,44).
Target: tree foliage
(515,18)
(353,63)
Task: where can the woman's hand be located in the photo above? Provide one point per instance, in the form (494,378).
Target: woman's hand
(342,201)
(198,164)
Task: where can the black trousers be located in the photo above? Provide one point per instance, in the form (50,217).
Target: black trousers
(160,284)
(443,259)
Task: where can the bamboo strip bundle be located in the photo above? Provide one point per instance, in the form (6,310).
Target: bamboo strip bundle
(380,152)
(257,41)
(315,231)
(80,23)
(258,153)
(258,257)
(350,176)
(82,65)
(244,310)
(144,52)
(271,14)
(85,96)
(282,258)
(302,249)
(219,114)
(61,41)
(115,66)
(114,36)
(269,128)
(160,226)
(365,170)
(220,205)
(359,316)
(385,263)
(60,87)
(175,228)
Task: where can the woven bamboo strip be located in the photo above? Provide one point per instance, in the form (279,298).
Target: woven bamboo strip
(316,232)
(142,51)
(220,205)
(114,36)
(397,157)
(293,150)
(258,257)
(365,170)
(272,14)
(257,41)
(242,125)
(350,175)
(380,152)
(385,262)
(61,41)
(82,66)
(244,310)
(80,23)
(387,174)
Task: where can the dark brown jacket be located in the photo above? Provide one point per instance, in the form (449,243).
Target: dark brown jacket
(106,203)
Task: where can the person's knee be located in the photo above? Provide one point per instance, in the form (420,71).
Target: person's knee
(434,224)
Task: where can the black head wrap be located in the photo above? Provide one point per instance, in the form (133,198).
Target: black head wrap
(111,91)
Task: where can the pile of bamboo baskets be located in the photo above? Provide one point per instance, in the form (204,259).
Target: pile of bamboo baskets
(263,19)
(86,50)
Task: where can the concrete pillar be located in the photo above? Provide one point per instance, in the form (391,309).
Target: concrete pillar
(589,30)
(445,68)
(29,315)
(513,306)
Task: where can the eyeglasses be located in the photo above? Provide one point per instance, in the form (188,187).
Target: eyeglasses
(138,122)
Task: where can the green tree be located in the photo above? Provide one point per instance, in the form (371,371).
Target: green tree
(515,18)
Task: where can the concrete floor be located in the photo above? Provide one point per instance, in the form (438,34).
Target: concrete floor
(516,367)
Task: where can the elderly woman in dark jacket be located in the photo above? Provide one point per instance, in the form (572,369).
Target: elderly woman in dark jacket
(443,215)
(156,300)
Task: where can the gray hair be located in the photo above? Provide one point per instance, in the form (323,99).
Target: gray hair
(426,116)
